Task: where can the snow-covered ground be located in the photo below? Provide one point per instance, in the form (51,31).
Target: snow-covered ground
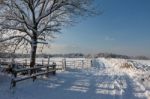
(105,79)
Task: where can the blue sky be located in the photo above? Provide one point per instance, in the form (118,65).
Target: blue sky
(123,28)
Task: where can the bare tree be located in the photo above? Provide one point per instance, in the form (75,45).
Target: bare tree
(35,22)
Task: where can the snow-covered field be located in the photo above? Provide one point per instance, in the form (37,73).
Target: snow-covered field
(105,79)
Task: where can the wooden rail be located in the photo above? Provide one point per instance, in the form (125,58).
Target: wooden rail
(43,69)
(15,71)
(49,69)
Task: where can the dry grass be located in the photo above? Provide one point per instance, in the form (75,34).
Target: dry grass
(126,65)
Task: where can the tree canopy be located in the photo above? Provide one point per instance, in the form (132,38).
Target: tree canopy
(35,22)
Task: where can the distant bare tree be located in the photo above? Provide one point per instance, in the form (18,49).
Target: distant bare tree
(35,22)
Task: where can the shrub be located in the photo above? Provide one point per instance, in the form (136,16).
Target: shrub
(126,65)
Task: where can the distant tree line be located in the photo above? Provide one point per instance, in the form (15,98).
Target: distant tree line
(14,55)
(112,55)
(73,55)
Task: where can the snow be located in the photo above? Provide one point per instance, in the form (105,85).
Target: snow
(105,79)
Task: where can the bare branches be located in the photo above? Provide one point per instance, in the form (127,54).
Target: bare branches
(39,20)
(39,17)
(35,22)
(17,36)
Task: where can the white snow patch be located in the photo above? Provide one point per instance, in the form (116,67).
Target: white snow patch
(106,78)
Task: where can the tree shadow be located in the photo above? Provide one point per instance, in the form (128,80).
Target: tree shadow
(78,84)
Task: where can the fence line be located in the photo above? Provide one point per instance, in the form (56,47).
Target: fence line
(63,63)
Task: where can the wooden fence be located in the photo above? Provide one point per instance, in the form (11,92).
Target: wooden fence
(42,67)
(63,63)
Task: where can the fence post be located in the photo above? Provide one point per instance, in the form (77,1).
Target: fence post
(74,64)
(47,68)
(82,64)
(48,60)
(42,62)
(13,66)
(64,64)
(54,68)
(91,63)
(26,62)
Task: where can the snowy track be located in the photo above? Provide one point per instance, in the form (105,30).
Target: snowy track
(101,81)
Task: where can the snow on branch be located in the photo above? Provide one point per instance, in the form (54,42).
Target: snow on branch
(37,21)
(12,37)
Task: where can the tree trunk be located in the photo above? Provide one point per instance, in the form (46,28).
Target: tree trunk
(33,53)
